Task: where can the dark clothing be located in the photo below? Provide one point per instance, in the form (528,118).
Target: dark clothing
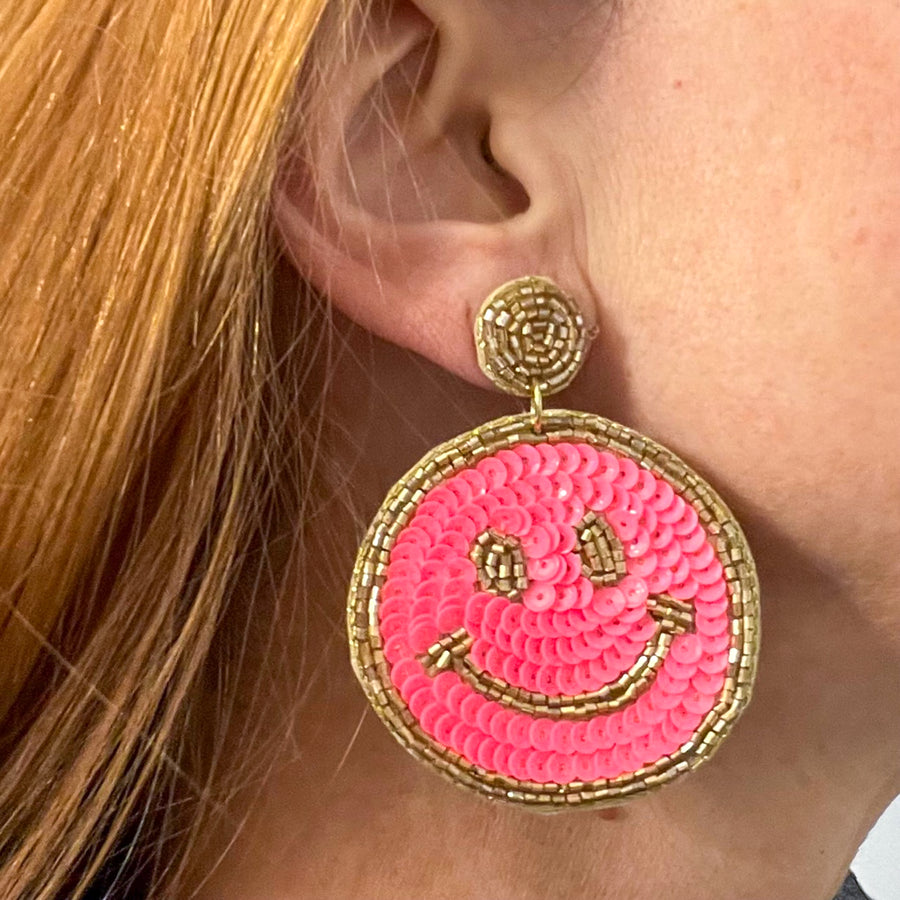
(850,890)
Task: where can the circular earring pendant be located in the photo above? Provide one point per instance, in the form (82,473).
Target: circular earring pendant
(552,609)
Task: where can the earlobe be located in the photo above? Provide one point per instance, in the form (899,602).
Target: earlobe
(397,208)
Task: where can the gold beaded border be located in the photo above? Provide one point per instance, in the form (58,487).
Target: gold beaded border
(463,451)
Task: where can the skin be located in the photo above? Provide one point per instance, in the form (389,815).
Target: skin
(726,206)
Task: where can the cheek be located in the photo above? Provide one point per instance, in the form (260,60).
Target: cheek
(752,264)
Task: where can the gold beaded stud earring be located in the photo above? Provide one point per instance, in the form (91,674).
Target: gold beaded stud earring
(552,609)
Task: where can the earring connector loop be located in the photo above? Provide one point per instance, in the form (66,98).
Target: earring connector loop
(537,406)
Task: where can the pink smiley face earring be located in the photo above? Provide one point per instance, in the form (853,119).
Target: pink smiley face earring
(552,609)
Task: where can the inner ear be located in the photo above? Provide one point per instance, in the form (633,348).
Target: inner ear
(391,199)
(415,152)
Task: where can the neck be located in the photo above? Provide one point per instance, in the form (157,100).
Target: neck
(778,811)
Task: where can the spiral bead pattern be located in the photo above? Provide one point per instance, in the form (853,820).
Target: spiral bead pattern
(529,332)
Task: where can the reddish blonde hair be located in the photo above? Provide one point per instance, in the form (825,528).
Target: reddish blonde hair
(136,445)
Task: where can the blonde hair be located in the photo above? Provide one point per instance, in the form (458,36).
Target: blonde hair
(136,437)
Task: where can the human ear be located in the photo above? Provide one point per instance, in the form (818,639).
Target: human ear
(421,180)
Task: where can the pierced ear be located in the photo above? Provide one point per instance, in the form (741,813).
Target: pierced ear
(394,204)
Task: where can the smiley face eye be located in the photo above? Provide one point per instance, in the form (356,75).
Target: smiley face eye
(602,554)
(500,563)
(502,568)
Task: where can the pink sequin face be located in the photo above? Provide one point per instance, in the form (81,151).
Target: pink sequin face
(556,614)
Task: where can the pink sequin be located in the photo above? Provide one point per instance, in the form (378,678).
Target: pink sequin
(563,635)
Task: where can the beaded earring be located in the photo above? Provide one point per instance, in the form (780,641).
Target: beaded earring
(552,609)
